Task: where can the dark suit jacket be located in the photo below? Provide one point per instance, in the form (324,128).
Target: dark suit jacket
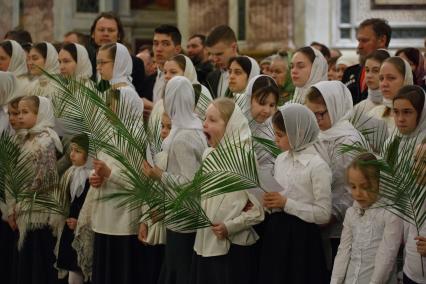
(212,80)
(351,78)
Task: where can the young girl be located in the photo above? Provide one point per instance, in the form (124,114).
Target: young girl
(36,241)
(292,251)
(371,235)
(414,57)
(308,66)
(241,70)
(373,62)
(331,102)
(224,253)
(415,242)
(75,181)
(74,62)
(42,55)
(343,62)
(185,146)
(117,252)
(395,73)
(280,71)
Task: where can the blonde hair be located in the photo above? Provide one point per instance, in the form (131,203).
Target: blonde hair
(225,106)
(371,172)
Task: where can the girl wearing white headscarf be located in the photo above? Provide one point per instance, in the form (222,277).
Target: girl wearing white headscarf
(308,66)
(345,61)
(241,70)
(224,253)
(36,241)
(184,145)
(292,250)
(8,85)
(17,65)
(117,252)
(331,102)
(396,73)
(43,55)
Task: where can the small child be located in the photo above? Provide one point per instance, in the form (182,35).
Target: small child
(371,234)
(76,181)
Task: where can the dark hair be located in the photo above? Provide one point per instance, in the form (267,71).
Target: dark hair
(72,49)
(180,60)
(201,37)
(22,36)
(315,96)
(379,55)
(413,54)
(7,47)
(332,61)
(146,47)
(41,48)
(82,140)
(308,52)
(399,64)
(263,87)
(278,121)
(243,61)
(415,95)
(111,48)
(83,39)
(380,28)
(15,102)
(221,33)
(35,102)
(171,31)
(363,163)
(323,48)
(110,16)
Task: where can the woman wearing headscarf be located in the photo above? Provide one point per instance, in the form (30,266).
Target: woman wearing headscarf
(331,102)
(280,71)
(343,62)
(241,70)
(308,66)
(16,62)
(292,251)
(43,56)
(185,145)
(415,58)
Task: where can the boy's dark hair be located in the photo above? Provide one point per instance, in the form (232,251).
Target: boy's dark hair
(380,28)
(110,16)
(82,140)
(171,31)
(221,33)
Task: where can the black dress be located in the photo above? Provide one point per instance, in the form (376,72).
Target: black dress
(352,79)
(8,253)
(67,256)
(292,252)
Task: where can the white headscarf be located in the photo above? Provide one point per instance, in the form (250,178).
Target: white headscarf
(78,179)
(7,90)
(318,73)
(179,104)
(123,66)
(83,69)
(348,60)
(338,100)
(46,122)
(408,80)
(51,63)
(18,61)
(301,126)
(247,96)
(255,69)
(190,71)
(420,130)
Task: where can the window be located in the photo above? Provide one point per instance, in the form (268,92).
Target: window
(88,6)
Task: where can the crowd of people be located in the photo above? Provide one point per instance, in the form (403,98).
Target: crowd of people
(318,215)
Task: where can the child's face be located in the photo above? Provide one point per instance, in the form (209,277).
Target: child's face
(420,163)
(281,139)
(361,188)
(321,114)
(27,118)
(13,117)
(390,80)
(104,65)
(332,72)
(405,116)
(172,69)
(238,78)
(214,126)
(67,64)
(262,111)
(78,156)
(166,126)
(372,70)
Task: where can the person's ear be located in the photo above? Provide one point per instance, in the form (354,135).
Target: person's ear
(234,47)
(178,49)
(382,41)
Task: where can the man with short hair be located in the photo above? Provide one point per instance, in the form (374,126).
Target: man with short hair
(372,34)
(76,37)
(221,45)
(147,56)
(196,50)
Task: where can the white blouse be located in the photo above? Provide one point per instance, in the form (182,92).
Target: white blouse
(368,248)
(378,111)
(306,180)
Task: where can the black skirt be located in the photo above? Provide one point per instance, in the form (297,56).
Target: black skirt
(36,258)
(236,267)
(177,258)
(153,256)
(8,253)
(117,259)
(292,252)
